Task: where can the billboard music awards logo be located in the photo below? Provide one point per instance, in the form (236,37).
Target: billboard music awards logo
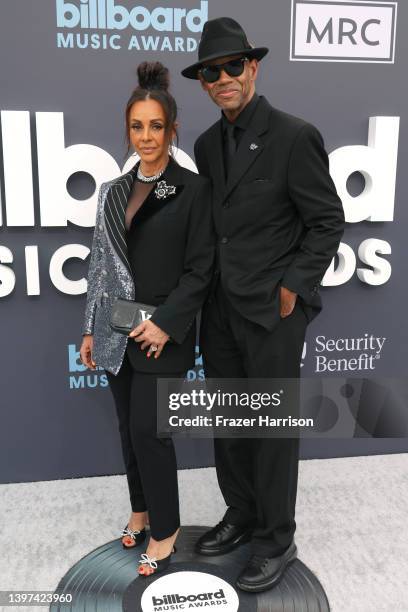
(189,591)
(351,31)
(115,24)
(80,377)
(369,261)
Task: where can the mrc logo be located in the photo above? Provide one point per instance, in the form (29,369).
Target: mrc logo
(348,31)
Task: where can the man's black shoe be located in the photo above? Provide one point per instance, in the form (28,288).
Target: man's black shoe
(222,538)
(263,573)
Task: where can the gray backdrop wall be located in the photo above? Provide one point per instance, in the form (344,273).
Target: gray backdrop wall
(338,65)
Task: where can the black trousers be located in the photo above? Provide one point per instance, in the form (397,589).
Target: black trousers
(257,476)
(150,462)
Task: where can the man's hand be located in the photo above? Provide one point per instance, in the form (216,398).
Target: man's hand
(287,302)
(148,333)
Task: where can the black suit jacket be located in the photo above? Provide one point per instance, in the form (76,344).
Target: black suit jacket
(170,251)
(278,217)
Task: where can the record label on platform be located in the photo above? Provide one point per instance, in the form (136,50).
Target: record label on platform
(189,590)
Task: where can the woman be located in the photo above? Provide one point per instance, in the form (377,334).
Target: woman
(153,243)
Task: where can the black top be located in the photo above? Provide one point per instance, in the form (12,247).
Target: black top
(140,191)
(243,120)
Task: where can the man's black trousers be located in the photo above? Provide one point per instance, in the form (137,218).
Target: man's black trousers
(257,476)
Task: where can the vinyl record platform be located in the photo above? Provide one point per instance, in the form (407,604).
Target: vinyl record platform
(106,580)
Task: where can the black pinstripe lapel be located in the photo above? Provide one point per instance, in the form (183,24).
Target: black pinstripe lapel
(114,211)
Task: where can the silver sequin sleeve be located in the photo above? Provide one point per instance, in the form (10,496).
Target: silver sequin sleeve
(96,264)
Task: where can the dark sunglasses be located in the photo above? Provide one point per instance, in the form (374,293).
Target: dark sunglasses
(233,68)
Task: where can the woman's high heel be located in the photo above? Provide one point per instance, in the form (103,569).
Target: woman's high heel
(157,565)
(137,536)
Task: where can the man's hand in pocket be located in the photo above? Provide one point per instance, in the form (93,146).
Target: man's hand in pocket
(287,302)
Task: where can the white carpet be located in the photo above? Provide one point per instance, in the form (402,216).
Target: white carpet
(351,527)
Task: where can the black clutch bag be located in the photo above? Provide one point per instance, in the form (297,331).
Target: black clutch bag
(127,314)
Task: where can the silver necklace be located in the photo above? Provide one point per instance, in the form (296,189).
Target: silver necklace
(149,179)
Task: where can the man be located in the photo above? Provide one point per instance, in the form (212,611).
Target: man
(279,222)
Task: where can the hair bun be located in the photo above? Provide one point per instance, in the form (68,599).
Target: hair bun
(153,75)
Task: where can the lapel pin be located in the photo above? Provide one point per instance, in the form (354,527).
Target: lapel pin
(163,190)
(253,146)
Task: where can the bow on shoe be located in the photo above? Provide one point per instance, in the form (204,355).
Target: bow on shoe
(149,561)
(129,532)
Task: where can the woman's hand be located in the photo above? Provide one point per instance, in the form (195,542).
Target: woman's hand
(150,334)
(86,352)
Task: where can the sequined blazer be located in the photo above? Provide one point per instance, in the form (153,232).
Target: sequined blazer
(180,203)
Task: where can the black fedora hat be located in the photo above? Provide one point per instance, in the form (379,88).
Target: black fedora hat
(221,37)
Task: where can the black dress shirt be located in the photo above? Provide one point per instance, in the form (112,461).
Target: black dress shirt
(240,124)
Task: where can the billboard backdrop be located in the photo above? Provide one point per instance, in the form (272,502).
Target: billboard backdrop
(67,70)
